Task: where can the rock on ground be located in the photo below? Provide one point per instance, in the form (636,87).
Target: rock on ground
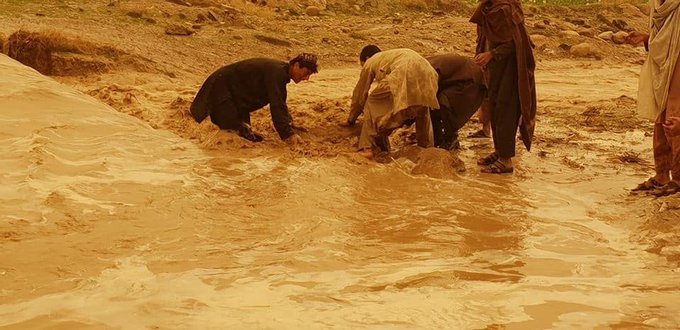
(606,35)
(178,30)
(585,50)
(619,37)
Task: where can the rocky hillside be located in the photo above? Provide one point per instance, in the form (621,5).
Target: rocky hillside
(155,35)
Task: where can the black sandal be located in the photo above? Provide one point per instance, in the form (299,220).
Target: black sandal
(450,146)
(650,184)
(478,135)
(670,188)
(497,168)
(488,160)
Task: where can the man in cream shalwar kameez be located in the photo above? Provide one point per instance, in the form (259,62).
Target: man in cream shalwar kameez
(659,92)
(406,88)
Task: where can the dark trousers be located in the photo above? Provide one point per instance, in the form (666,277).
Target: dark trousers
(226,116)
(505,105)
(457,104)
(504,124)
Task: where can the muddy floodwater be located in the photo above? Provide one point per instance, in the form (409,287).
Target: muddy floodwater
(109,223)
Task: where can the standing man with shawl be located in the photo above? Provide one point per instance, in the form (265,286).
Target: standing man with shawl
(659,93)
(505,50)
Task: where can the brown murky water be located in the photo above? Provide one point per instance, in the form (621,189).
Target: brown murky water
(142,230)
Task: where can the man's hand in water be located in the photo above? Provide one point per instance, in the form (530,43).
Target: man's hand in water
(294,140)
(635,38)
(672,126)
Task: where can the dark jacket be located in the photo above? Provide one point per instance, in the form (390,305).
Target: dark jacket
(249,85)
(454,69)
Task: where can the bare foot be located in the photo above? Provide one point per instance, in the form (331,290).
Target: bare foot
(368,153)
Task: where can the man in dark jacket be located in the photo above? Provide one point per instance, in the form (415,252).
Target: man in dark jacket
(461,92)
(231,93)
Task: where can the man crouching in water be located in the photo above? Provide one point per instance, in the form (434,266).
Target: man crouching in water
(406,88)
(231,93)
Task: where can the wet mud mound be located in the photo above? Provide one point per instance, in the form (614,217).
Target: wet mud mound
(54,54)
(435,163)
(317,123)
(32,50)
(661,232)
